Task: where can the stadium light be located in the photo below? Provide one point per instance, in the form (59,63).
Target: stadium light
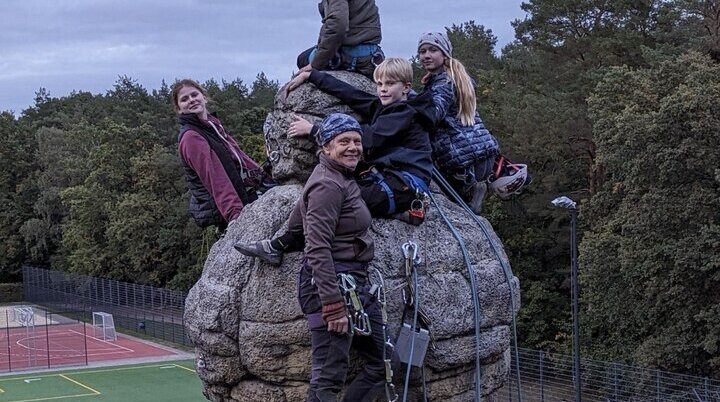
(567,203)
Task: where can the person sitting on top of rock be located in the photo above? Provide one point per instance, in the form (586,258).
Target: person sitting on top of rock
(463,149)
(349,38)
(397,163)
(222,179)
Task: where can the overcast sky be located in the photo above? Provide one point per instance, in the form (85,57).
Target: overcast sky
(65,45)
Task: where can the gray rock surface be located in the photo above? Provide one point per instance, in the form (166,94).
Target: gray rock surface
(294,158)
(251,339)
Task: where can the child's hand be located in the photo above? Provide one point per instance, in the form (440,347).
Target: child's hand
(298,80)
(299,127)
(307,68)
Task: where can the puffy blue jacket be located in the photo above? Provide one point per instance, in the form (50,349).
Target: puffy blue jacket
(455,146)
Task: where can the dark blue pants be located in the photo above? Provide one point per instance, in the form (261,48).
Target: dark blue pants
(331,351)
(363,65)
(464,179)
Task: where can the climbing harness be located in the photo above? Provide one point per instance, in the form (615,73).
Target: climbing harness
(357,52)
(375,176)
(438,177)
(357,317)
(378,290)
(418,207)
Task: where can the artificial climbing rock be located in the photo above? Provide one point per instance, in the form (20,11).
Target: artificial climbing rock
(251,338)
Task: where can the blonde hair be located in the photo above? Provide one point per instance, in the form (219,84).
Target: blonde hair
(394,68)
(466,98)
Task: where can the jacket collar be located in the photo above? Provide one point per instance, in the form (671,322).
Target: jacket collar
(193,119)
(326,161)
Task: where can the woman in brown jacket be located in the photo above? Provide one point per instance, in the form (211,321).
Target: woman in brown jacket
(335,223)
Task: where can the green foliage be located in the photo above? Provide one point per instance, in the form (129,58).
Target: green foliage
(653,242)
(535,103)
(92,183)
(16,158)
(613,103)
(11,292)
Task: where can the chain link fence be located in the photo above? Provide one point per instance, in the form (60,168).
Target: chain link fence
(549,377)
(32,338)
(148,310)
(544,376)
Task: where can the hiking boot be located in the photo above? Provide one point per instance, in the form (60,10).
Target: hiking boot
(262,250)
(478,191)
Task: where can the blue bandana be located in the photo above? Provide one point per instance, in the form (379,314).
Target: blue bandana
(334,125)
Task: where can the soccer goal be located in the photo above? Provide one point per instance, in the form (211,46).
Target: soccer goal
(23,315)
(104,326)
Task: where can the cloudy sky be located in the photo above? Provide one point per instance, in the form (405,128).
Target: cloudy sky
(65,45)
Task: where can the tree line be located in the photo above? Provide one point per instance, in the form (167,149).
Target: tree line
(616,104)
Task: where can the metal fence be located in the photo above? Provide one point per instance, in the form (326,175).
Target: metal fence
(32,338)
(549,377)
(156,312)
(544,376)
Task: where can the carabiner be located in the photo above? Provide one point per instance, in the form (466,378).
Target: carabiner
(417,205)
(347,282)
(414,257)
(362,326)
(406,250)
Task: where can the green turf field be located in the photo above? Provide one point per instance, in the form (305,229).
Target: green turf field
(153,382)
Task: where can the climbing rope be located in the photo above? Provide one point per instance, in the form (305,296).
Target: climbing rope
(473,291)
(410,251)
(438,177)
(379,290)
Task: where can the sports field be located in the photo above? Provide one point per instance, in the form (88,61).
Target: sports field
(174,381)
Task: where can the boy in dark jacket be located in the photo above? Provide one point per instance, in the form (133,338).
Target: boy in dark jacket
(396,147)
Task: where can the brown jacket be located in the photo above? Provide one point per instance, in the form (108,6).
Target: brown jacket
(345,22)
(335,221)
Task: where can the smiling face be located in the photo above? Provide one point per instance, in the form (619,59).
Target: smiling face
(390,90)
(345,149)
(191,100)
(431,57)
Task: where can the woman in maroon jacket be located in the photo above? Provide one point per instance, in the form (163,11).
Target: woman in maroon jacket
(222,179)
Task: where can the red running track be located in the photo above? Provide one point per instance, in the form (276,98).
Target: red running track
(67,344)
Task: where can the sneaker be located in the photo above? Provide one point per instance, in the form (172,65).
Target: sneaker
(260,249)
(478,195)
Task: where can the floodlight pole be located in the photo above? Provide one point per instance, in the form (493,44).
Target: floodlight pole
(565,202)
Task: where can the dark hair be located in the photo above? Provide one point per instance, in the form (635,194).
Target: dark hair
(187,82)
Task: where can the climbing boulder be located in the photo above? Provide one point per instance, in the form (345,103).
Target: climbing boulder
(251,338)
